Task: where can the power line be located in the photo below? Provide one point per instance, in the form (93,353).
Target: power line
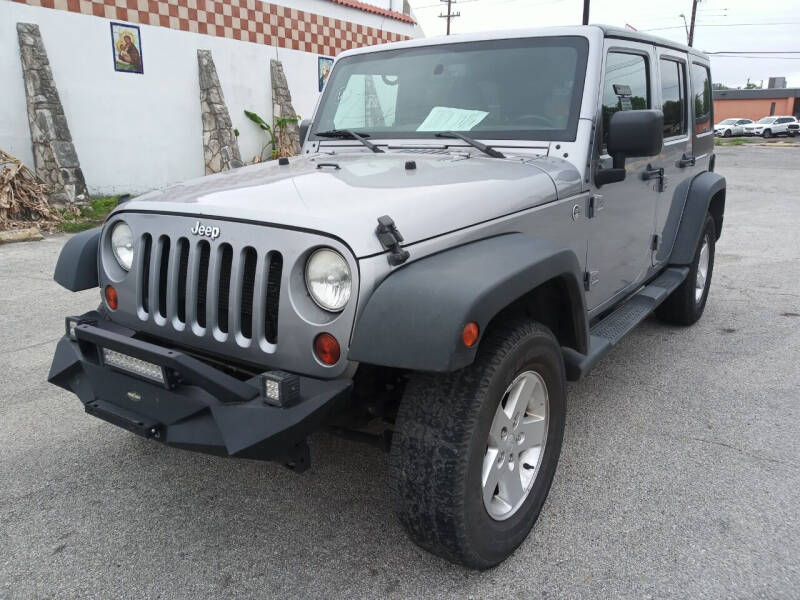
(756,56)
(727,25)
(755,52)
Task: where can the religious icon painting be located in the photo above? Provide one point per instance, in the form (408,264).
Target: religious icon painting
(127,44)
(324,65)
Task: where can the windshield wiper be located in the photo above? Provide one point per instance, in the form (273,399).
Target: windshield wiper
(348,134)
(474,143)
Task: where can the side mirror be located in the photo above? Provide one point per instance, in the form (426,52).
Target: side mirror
(304,125)
(631,133)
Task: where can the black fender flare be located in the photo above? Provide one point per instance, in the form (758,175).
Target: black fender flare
(415,317)
(702,189)
(76,268)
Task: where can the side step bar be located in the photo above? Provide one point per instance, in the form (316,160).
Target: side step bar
(606,333)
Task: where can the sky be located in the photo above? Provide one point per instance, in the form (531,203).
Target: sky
(764,28)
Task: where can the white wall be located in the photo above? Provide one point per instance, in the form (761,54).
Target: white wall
(137,132)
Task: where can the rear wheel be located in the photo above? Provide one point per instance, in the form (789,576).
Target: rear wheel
(686,304)
(475,451)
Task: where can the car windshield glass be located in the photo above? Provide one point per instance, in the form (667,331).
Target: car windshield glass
(767,120)
(728,122)
(499,89)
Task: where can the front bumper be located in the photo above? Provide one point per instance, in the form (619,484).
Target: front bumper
(204,409)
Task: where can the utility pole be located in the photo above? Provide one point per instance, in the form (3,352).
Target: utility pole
(691,23)
(450,14)
(585,12)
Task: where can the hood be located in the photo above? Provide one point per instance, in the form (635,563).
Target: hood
(344,194)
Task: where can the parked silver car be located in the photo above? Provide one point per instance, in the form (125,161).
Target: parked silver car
(473,221)
(731,127)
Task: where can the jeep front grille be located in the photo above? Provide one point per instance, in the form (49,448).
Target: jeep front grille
(231,291)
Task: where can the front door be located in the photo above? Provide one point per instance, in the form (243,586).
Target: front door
(622,224)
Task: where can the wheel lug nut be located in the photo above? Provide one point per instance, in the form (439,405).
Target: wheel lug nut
(501,458)
(503,433)
(520,437)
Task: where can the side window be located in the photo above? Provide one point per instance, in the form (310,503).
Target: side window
(673,97)
(701,86)
(625,86)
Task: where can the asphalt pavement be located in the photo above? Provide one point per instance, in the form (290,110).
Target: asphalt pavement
(679,477)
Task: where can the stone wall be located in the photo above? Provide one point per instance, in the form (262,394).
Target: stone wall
(54,155)
(220,147)
(289,136)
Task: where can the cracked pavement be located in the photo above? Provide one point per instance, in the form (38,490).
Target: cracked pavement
(679,476)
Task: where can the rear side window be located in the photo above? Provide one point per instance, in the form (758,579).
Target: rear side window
(625,86)
(673,97)
(701,87)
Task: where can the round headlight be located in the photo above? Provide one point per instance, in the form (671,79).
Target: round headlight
(328,279)
(122,244)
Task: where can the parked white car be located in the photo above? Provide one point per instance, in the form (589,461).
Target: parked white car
(731,127)
(770,126)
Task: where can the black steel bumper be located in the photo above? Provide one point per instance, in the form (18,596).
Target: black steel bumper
(203,409)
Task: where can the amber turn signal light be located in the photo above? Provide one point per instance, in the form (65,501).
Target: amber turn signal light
(327,349)
(470,333)
(111,297)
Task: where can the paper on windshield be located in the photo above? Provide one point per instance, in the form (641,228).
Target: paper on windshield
(444,118)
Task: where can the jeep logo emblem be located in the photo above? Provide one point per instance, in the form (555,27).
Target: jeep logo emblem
(205,230)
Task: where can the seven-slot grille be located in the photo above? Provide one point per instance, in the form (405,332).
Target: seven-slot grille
(205,287)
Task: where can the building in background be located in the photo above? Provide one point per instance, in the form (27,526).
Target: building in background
(755,104)
(130,92)
(777,82)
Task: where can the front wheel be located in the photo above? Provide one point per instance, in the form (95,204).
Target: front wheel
(474,452)
(767,133)
(727,133)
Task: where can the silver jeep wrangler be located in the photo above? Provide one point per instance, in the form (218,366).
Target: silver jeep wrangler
(473,221)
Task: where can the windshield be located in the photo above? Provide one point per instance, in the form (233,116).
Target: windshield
(727,122)
(499,89)
(767,120)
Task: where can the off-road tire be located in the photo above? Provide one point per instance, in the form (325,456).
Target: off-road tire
(440,440)
(682,307)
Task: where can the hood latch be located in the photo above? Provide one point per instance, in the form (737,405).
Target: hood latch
(390,239)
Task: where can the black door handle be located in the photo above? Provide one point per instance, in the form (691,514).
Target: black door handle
(686,161)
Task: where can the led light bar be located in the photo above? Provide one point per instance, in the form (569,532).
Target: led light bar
(134,366)
(280,388)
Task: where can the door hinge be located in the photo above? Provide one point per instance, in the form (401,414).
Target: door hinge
(390,239)
(596,204)
(652,173)
(654,243)
(590,278)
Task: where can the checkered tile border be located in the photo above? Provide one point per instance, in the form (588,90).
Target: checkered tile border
(246,20)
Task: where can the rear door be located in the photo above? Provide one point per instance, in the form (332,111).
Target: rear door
(677,158)
(702,109)
(621,229)
(738,129)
